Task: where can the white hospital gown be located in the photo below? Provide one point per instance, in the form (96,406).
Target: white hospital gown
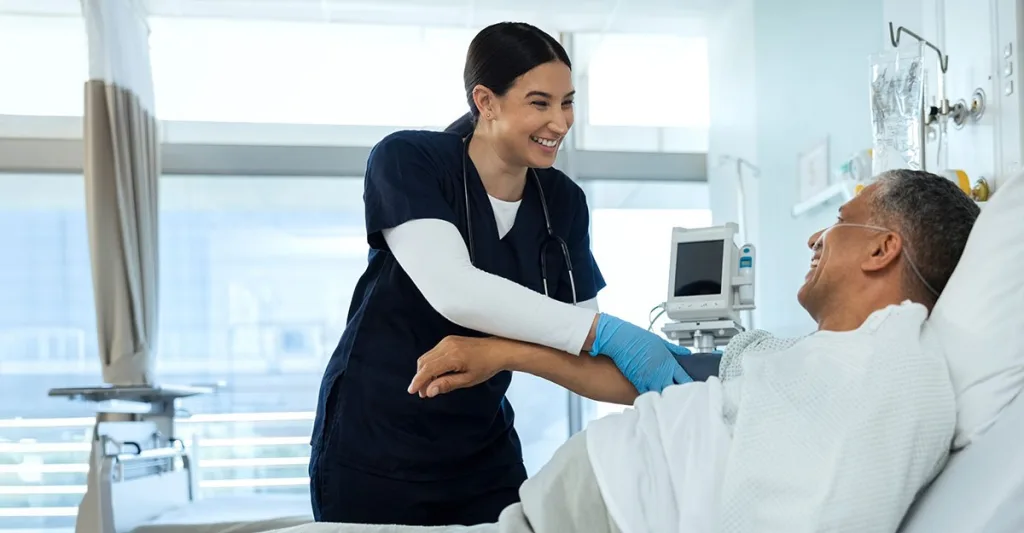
(835,431)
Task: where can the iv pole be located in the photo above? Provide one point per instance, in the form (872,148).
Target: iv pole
(741,201)
(741,197)
(931,114)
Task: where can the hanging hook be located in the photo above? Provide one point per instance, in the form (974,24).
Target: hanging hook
(740,163)
(894,38)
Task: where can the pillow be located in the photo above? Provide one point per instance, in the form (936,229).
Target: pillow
(979,318)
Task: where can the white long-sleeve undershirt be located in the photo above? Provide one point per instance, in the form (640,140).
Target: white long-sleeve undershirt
(434,255)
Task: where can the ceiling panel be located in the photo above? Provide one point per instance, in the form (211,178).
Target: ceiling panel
(684,16)
(676,16)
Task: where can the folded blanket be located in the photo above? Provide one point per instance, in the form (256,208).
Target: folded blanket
(659,464)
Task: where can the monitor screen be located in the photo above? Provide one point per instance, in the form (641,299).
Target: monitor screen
(698,268)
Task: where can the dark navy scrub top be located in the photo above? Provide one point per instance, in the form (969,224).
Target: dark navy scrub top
(366,419)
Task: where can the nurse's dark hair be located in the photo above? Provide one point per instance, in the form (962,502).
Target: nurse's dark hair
(498,56)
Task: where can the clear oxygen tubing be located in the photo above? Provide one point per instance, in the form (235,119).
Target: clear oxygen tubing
(905,252)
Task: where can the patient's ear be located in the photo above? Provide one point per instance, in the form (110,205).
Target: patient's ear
(884,251)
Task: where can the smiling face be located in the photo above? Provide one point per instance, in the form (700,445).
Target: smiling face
(843,258)
(529,122)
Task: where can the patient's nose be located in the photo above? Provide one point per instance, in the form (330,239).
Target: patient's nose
(814,239)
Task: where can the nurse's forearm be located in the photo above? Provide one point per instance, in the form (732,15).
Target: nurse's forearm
(434,255)
(596,378)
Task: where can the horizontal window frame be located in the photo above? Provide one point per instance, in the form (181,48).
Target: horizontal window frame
(53,145)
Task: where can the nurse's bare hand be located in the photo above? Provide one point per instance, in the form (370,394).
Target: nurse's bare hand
(458,363)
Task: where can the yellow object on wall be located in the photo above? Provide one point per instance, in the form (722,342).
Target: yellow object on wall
(959,177)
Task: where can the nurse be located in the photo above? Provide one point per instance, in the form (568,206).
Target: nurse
(471,233)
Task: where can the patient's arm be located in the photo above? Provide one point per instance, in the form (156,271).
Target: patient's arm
(460,362)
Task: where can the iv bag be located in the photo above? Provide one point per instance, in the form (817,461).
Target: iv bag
(897,103)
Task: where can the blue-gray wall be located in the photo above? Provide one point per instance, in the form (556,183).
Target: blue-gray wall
(810,80)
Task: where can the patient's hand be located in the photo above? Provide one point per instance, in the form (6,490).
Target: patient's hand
(458,363)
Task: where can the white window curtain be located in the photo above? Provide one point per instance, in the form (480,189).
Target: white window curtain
(122,153)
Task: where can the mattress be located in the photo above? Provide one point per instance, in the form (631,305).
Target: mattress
(247,514)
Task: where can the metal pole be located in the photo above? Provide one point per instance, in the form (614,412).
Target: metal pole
(574,403)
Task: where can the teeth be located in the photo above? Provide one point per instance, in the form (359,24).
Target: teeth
(544,142)
(814,263)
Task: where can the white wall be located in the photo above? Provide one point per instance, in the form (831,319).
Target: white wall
(733,103)
(918,16)
(784,74)
(965,30)
(1007,31)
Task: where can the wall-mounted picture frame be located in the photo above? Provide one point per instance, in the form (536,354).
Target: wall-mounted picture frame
(812,170)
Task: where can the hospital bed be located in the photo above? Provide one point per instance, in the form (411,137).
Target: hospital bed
(142,482)
(981,490)
(142,479)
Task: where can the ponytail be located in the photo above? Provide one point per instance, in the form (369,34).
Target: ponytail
(463,127)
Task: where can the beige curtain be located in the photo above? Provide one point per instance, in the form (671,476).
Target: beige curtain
(122,166)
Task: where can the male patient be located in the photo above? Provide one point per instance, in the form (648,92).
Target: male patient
(835,431)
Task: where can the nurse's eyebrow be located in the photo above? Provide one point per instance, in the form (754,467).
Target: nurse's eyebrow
(543,94)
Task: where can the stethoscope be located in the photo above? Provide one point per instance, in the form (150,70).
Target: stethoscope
(551,238)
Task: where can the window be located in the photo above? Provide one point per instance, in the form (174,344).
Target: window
(263,71)
(644,92)
(47,339)
(44,60)
(646,80)
(47,321)
(631,227)
(542,418)
(256,278)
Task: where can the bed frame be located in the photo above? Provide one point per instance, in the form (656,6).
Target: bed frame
(138,468)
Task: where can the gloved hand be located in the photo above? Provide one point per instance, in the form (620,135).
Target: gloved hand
(644,358)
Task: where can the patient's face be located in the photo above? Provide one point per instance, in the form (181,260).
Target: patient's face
(836,256)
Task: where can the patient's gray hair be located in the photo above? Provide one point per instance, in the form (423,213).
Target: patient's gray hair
(934,217)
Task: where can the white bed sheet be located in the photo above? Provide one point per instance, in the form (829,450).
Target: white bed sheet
(981,490)
(247,514)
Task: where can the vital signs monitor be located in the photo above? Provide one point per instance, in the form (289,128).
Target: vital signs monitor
(711,280)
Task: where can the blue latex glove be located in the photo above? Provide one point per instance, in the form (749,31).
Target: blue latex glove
(647,360)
